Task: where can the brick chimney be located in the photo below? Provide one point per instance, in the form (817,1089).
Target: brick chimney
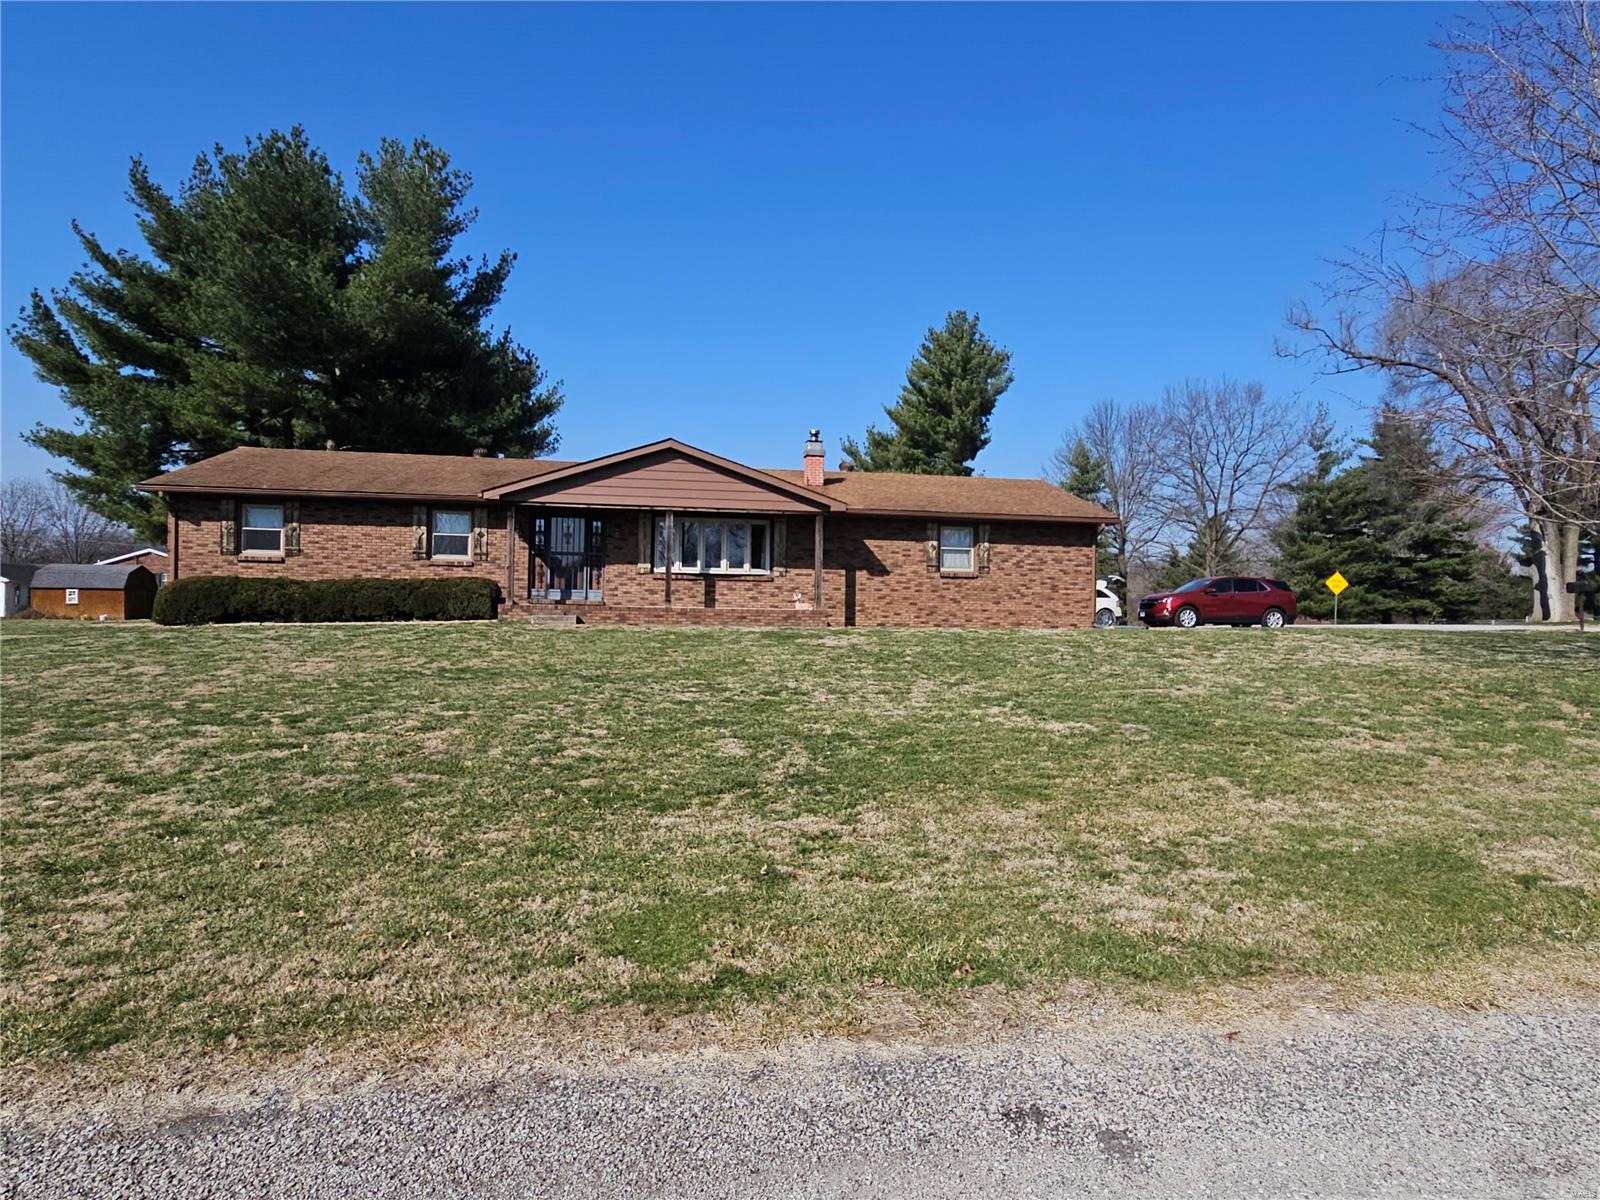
(814,459)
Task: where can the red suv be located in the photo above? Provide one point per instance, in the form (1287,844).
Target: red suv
(1223,600)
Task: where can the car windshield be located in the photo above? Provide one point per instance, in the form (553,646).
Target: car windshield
(1194,585)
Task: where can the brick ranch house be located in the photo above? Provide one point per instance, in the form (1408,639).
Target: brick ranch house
(591,538)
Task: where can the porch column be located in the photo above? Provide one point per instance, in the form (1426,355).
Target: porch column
(511,554)
(816,572)
(667,559)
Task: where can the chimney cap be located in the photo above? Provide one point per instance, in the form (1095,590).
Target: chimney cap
(814,447)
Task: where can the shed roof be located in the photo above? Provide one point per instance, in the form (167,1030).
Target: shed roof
(116,558)
(113,576)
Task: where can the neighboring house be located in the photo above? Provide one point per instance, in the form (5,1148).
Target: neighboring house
(594,538)
(151,559)
(15,581)
(89,591)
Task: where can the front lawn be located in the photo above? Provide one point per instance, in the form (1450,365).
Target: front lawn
(267,837)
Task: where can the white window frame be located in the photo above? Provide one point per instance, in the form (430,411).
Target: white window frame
(72,595)
(433,534)
(244,510)
(722,567)
(970,550)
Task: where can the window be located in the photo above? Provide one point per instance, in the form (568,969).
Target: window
(721,547)
(72,595)
(1247,585)
(261,530)
(452,533)
(955,547)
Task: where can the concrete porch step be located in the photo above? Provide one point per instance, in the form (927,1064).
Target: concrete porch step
(551,618)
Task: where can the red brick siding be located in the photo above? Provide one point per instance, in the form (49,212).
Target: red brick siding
(875,573)
(339,539)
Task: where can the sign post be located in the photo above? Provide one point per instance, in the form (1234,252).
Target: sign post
(1336,583)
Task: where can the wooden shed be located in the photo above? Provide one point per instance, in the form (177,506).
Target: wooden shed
(116,591)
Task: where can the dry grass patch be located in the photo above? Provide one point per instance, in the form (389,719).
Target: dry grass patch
(269,838)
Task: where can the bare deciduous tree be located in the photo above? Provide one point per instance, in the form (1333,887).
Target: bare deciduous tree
(1229,451)
(1127,439)
(44,522)
(1486,316)
(23,504)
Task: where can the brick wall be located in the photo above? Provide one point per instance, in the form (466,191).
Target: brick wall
(875,573)
(339,539)
(875,569)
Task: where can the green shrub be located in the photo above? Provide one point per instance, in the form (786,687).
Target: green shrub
(216,599)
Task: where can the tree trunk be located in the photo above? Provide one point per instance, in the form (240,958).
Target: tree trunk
(1558,566)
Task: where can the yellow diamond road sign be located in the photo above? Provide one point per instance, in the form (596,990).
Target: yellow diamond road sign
(1336,583)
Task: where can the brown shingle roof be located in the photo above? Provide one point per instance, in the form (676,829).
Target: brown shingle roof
(953,496)
(461,477)
(350,473)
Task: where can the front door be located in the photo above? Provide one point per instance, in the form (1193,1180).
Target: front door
(570,550)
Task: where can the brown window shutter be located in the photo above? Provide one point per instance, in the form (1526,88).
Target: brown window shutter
(983,547)
(647,543)
(933,545)
(291,527)
(419,531)
(480,534)
(229,521)
(780,546)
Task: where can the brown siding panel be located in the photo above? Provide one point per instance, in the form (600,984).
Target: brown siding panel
(665,480)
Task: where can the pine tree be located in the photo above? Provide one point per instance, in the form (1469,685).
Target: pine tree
(275,308)
(1178,569)
(1392,526)
(1081,472)
(941,420)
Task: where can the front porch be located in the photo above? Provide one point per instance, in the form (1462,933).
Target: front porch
(610,566)
(665,534)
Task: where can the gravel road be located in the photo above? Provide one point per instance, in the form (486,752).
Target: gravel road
(1408,1102)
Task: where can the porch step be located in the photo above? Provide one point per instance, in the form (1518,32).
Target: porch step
(552,618)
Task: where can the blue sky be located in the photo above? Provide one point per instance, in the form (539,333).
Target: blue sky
(736,222)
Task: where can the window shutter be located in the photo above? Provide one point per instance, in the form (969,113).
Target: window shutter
(983,547)
(480,534)
(230,527)
(780,546)
(933,545)
(291,527)
(419,531)
(647,543)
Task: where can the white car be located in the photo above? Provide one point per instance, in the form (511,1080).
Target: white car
(1107,608)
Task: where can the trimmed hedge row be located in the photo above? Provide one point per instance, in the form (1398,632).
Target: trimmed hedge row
(216,599)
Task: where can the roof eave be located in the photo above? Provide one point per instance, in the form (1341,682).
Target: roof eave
(945,514)
(242,490)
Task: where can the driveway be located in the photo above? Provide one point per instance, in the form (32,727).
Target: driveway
(1408,1102)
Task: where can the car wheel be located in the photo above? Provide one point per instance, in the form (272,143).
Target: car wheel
(1188,616)
(1104,618)
(1273,618)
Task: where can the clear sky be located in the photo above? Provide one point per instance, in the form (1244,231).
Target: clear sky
(736,222)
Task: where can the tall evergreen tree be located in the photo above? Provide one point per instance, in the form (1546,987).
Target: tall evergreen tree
(941,420)
(1081,472)
(1178,569)
(1391,526)
(276,308)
